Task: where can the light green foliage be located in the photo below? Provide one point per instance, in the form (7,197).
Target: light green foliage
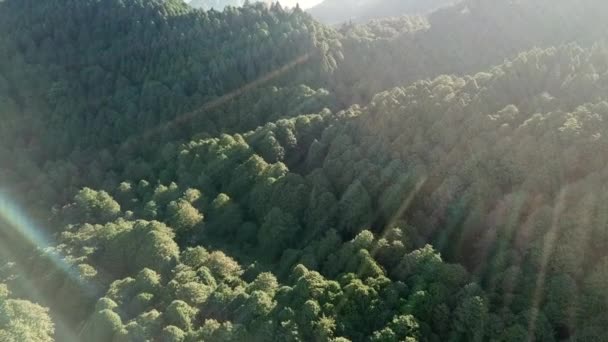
(180,314)
(105,304)
(183,216)
(147,244)
(194,257)
(21,320)
(172,334)
(265,282)
(222,266)
(96,206)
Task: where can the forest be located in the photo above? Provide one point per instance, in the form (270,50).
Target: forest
(178,174)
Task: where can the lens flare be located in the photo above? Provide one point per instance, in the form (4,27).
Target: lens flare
(20,225)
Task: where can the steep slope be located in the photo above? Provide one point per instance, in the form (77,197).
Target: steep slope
(153,62)
(137,74)
(340,11)
(340,208)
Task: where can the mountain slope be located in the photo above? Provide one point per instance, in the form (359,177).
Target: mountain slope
(451,42)
(341,209)
(150,76)
(155,58)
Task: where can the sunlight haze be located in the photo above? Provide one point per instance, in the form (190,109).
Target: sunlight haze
(355,171)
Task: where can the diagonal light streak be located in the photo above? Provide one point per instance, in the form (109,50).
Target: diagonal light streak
(219,101)
(19,223)
(547,251)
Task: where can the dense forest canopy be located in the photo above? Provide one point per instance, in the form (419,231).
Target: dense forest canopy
(176,174)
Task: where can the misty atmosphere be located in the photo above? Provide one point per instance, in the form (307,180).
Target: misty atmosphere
(328,171)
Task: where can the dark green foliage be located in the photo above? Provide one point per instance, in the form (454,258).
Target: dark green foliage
(355,209)
(102,326)
(278,231)
(120,70)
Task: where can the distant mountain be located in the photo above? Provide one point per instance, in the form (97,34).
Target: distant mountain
(215,4)
(339,11)
(220,4)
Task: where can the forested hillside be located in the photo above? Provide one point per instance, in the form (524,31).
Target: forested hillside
(175,174)
(464,39)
